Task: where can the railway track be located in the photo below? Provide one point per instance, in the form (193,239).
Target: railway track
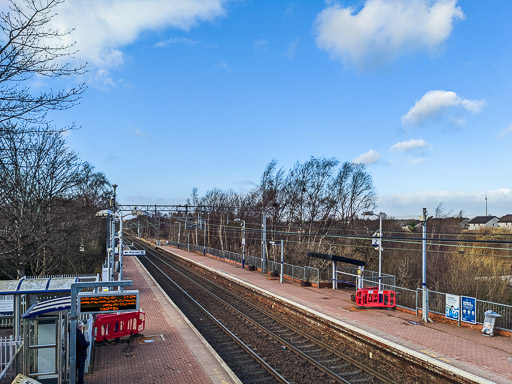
(259,346)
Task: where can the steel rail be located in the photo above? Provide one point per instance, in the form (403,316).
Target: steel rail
(318,342)
(315,363)
(253,354)
(315,341)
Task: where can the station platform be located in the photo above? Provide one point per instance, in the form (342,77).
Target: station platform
(466,351)
(170,351)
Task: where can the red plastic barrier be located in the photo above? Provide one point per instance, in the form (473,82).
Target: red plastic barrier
(107,327)
(373,297)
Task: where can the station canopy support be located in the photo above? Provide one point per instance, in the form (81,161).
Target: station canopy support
(335,259)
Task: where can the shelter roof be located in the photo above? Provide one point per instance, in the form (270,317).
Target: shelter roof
(36,285)
(48,306)
(336,258)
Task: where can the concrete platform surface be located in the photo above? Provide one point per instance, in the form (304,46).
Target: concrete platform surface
(462,349)
(170,352)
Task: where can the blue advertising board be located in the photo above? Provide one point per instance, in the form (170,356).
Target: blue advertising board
(468,309)
(452,307)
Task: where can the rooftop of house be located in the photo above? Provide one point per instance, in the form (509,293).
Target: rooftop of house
(506,219)
(481,219)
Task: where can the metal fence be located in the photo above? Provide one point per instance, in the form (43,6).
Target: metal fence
(9,348)
(307,273)
(6,321)
(437,304)
(296,272)
(57,276)
(405,298)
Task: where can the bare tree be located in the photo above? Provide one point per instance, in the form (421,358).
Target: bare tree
(29,47)
(304,206)
(48,200)
(48,195)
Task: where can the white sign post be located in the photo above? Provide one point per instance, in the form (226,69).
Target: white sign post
(134,252)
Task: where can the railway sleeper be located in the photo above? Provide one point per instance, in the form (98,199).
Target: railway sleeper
(354,372)
(341,366)
(362,380)
(314,349)
(331,361)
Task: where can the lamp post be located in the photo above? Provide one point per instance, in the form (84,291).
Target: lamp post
(179,232)
(424,296)
(111,254)
(112,249)
(113,216)
(282,258)
(243,241)
(370,213)
(204,238)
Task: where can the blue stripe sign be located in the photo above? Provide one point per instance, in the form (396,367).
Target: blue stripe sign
(468,309)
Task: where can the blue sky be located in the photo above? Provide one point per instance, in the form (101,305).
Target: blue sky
(204,93)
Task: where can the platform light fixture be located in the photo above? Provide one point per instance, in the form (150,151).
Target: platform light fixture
(111,250)
(243,240)
(179,232)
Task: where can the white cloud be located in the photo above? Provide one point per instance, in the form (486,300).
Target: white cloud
(416,161)
(225,66)
(434,104)
(290,10)
(102,76)
(175,41)
(408,146)
(103,27)
(260,44)
(384,29)
(506,131)
(473,204)
(369,157)
(292,49)
(141,134)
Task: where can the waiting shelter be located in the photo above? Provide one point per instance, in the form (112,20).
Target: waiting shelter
(27,291)
(40,308)
(339,259)
(45,336)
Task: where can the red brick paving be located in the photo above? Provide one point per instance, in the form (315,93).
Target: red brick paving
(461,348)
(177,354)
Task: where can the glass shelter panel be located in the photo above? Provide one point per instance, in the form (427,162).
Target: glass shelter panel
(42,336)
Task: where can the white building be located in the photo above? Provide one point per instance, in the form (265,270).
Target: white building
(482,222)
(505,222)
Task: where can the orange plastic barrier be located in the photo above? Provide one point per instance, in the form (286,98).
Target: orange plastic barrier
(372,297)
(113,326)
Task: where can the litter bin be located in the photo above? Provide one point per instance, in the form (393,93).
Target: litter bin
(490,318)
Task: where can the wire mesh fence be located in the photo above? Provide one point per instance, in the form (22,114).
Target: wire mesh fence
(437,304)
(405,297)
(296,272)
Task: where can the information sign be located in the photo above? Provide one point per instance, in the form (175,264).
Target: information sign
(134,252)
(468,309)
(108,302)
(376,241)
(452,307)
